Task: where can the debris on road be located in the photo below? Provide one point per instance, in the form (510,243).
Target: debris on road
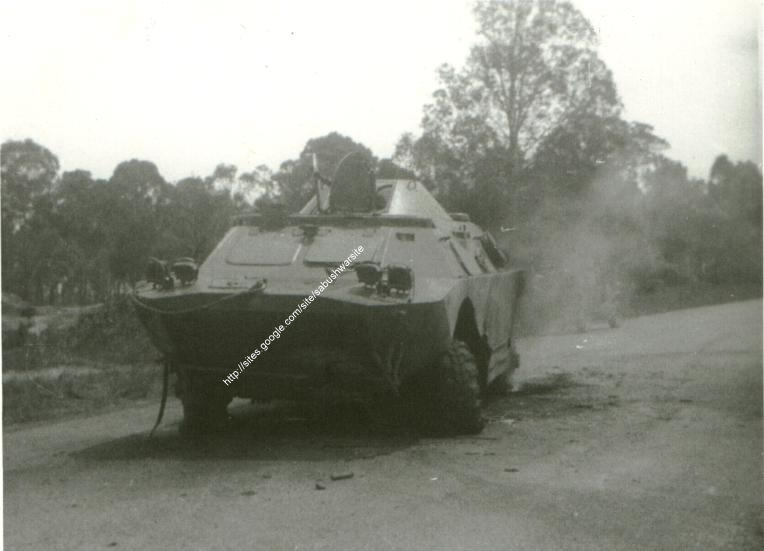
(320,486)
(341,476)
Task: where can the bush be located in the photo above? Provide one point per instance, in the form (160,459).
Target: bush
(112,334)
(73,391)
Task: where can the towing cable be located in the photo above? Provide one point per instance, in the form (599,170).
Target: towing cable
(165,383)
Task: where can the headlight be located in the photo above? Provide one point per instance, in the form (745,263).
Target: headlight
(368,273)
(185,269)
(400,278)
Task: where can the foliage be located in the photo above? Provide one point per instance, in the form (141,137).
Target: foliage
(28,172)
(72,239)
(534,77)
(527,136)
(76,391)
(737,189)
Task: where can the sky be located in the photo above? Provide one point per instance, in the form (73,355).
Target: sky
(189,85)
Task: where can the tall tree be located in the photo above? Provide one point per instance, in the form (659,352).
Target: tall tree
(137,193)
(387,169)
(737,188)
(258,186)
(140,181)
(197,218)
(534,71)
(81,216)
(28,172)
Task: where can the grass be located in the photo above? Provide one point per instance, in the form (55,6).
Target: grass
(72,392)
(102,361)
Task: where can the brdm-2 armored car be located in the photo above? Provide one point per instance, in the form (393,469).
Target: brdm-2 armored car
(372,291)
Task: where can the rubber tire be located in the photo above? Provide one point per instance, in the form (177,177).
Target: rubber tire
(204,406)
(452,402)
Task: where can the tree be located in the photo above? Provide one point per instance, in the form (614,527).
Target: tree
(258,186)
(387,169)
(198,218)
(139,181)
(737,188)
(137,196)
(534,71)
(732,243)
(28,171)
(81,216)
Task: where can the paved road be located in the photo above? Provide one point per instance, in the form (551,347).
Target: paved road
(644,437)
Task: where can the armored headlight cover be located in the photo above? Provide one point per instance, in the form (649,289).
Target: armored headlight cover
(400,278)
(368,273)
(185,269)
(157,274)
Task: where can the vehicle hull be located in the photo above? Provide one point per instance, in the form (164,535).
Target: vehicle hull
(364,302)
(358,348)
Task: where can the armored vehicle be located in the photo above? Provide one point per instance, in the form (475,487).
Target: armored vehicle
(371,291)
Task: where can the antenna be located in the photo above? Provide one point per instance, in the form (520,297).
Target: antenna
(317,181)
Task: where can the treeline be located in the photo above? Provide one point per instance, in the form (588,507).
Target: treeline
(527,137)
(69,238)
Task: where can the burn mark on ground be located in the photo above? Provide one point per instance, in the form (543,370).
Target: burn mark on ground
(553,395)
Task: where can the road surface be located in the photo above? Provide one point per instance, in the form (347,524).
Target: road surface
(644,437)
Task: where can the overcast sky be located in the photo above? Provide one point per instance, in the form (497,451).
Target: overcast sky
(191,84)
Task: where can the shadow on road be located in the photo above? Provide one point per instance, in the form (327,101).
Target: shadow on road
(283,432)
(290,432)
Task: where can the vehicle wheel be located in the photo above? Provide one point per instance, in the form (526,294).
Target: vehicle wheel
(452,395)
(204,405)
